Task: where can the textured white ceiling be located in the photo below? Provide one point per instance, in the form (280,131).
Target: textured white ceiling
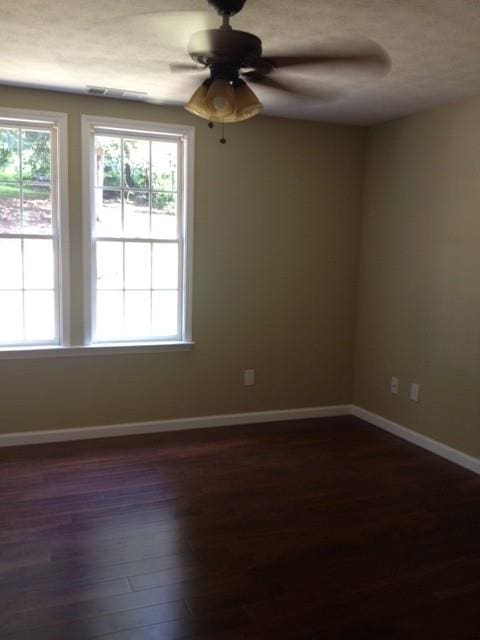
(434,46)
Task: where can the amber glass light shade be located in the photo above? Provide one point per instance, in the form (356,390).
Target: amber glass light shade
(196,104)
(220,100)
(247,105)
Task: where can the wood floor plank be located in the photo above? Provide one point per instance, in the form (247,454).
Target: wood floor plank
(61,595)
(49,574)
(100,625)
(222,624)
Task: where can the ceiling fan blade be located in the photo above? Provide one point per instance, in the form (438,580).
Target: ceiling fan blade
(171,29)
(260,80)
(366,56)
(180,67)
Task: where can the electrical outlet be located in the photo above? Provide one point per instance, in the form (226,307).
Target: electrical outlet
(414,391)
(394,386)
(249,377)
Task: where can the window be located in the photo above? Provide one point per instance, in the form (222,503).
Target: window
(32,231)
(137,198)
(138,231)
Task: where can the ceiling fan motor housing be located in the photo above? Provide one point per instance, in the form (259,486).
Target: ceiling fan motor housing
(227,7)
(238,49)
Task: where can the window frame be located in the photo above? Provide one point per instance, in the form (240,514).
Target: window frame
(58,123)
(186,138)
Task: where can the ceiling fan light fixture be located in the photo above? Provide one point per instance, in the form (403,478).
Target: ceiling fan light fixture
(196,104)
(220,99)
(246,102)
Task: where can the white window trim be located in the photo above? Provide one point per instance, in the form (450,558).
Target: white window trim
(60,122)
(25,353)
(137,127)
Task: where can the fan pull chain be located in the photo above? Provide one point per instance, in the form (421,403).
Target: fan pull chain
(223,140)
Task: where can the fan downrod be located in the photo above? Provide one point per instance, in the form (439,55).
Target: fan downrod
(227,7)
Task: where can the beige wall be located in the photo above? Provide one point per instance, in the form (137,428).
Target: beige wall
(419,293)
(277,217)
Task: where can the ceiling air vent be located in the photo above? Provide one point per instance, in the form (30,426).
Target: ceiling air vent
(97,91)
(108,92)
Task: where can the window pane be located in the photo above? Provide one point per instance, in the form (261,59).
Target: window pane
(165,313)
(137,213)
(110,265)
(108,164)
(137,314)
(36,156)
(9,155)
(10,211)
(10,264)
(37,209)
(165,266)
(136,164)
(38,264)
(109,316)
(164,166)
(11,317)
(164,215)
(39,315)
(108,212)
(138,265)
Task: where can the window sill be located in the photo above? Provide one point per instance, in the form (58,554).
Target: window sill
(121,348)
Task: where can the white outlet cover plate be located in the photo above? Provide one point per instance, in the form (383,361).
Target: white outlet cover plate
(394,385)
(414,391)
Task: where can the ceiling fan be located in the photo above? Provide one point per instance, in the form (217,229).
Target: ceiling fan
(235,61)
(234,57)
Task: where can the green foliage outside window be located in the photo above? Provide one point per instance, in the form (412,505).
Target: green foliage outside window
(35,158)
(136,174)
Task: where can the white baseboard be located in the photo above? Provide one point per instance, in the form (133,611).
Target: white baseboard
(440,449)
(232,419)
(180,424)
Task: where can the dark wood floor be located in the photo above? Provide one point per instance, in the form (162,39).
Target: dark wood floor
(324,529)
